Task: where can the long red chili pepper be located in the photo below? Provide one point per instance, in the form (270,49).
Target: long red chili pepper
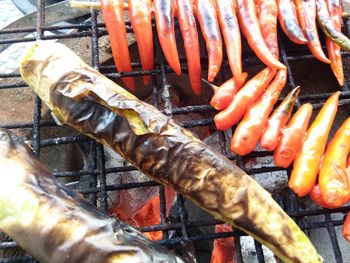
(223,249)
(292,137)
(346,228)
(206,15)
(306,10)
(185,14)
(335,10)
(223,94)
(249,25)
(334,177)
(287,17)
(316,196)
(245,97)
(278,120)
(232,36)
(249,130)
(141,21)
(267,13)
(307,164)
(164,13)
(113,15)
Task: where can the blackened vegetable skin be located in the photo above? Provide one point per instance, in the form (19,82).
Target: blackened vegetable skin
(54,224)
(161,149)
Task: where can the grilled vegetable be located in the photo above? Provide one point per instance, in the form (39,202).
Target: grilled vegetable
(292,137)
(346,228)
(232,37)
(223,95)
(249,25)
(164,11)
(307,163)
(306,10)
(267,13)
(334,177)
(141,21)
(86,100)
(335,10)
(206,15)
(327,26)
(113,15)
(54,224)
(249,130)
(190,36)
(278,120)
(245,97)
(316,196)
(223,247)
(288,20)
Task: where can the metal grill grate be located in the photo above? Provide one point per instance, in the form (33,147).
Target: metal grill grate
(95,30)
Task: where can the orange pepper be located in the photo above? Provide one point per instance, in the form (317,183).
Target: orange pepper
(245,97)
(249,130)
(316,196)
(306,11)
(278,120)
(164,13)
(346,228)
(141,21)
(190,36)
(113,15)
(292,137)
(307,163)
(334,177)
(223,249)
(249,25)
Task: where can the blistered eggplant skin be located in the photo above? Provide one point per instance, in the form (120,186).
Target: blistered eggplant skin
(161,149)
(54,224)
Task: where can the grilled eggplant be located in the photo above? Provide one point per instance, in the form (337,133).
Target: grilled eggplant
(54,224)
(94,105)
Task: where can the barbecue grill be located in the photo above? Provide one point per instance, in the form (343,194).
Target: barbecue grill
(296,58)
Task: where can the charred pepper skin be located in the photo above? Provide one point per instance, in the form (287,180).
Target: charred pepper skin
(185,14)
(208,21)
(164,151)
(329,29)
(232,37)
(333,50)
(164,11)
(307,163)
(288,20)
(141,21)
(249,25)
(334,176)
(54,224)
(306,11)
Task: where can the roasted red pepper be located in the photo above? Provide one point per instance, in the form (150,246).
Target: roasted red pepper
(316,196)
(292,137)
(141,21)
(307,164)
(278,120)
(185,14)
(287,17)
(113,15)
(223,249)
(164,11)
(232,37)
(334,177)
(223,95)
(306,10)
(206,15)
(346,228)
(249,25)
(335,10)
(267,12)
(245,97)
(249,130)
